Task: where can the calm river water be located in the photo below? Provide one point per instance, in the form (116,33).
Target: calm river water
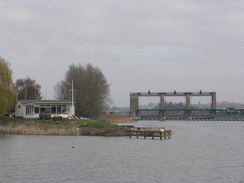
(197,152)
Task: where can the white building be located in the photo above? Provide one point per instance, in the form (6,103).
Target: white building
(33,108)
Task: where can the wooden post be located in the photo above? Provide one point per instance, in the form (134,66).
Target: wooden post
(169,134)
(77,131)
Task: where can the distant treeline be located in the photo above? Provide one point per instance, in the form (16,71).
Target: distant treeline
(230,104)
(180,105)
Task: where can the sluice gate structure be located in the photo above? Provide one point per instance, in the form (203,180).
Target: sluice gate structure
(163,112)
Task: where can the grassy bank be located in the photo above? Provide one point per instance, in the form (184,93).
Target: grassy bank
(64,127)
(115,118)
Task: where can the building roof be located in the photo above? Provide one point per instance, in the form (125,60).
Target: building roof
(45,102)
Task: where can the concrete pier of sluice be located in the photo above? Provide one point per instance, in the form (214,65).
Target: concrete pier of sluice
(187,111)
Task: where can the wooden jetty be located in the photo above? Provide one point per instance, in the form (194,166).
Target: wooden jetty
(150,133)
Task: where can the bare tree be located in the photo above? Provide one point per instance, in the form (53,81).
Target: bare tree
(91,89)
(28,89)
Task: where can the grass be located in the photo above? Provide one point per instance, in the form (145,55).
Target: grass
(64,127)
(80,122)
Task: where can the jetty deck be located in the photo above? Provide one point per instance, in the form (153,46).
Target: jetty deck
(150,133)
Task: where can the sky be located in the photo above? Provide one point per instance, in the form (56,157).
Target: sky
(139,45)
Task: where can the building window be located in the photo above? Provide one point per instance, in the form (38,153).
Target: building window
(64,109)
(36,109)
(59,109)
(29,109)
(48,109)
(42,110)
(45,109)
(53,109)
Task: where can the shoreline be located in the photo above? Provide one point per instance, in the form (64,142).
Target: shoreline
(35,128)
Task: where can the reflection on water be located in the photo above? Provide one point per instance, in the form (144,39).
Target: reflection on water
(197,152)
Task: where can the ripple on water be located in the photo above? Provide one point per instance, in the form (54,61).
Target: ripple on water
(197,152)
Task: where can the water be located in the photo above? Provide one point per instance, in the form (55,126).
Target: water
(197,152)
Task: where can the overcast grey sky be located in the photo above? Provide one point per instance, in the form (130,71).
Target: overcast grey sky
(140,45)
